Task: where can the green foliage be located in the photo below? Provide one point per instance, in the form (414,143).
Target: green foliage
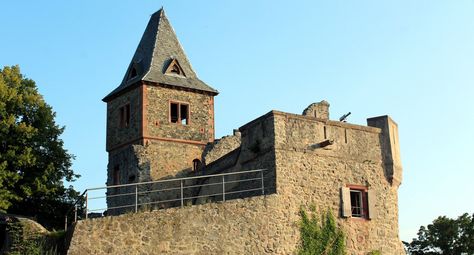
(323,238)
(33,162)
(445,236)
(49,244)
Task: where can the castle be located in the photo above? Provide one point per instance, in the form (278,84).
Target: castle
(160,124)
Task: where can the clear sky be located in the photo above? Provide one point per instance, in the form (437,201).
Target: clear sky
(412,60)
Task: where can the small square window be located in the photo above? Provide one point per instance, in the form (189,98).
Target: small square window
(179,113)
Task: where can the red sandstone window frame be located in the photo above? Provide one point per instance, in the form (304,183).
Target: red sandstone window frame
(363,203)
(178,119)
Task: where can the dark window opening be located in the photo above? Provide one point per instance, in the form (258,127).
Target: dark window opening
(179,113)
(116,176)
(175,69)
(196,164)
(174,113)
(345,135)
(125,116)
(324,129)
(184,114)
(133,73)
(358,203)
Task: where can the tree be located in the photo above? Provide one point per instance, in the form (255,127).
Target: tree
(320,239)
(445,236)
(33,161)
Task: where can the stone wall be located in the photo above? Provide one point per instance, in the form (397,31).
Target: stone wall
(220,147)
(300,172)
(157,110)
(249,226)
(308,175)
(164,159)
(117,135)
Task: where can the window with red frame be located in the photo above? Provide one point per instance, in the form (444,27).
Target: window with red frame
(179,113)
(358,202)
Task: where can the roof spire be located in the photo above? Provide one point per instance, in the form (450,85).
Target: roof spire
(152,59)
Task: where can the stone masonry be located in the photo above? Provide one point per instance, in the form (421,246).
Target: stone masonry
(309,160)
(299,174)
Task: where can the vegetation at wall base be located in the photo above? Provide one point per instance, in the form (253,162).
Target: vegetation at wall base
(445,236)
(52,243)
(33,161)
(324,238)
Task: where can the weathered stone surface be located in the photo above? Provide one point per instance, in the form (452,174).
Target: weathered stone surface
(318,110)
(298,174)
(221,147)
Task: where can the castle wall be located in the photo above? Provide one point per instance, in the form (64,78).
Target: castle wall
(245,226)
(311,175)
(157,106)
(302,170)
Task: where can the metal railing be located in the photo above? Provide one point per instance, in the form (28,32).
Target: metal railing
(170,193)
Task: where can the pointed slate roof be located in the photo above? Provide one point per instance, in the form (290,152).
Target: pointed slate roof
(157,49)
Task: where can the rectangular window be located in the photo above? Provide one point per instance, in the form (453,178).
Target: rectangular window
(357,208)
(124,112)
(358,201)
(183,110)
(179,113)
(116,176)
(174,112)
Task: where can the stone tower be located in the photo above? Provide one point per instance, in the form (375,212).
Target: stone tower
(161,115)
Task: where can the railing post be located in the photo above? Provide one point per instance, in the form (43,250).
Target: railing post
(86,203)
(136,198)
(263,184)
(65,223)
(75,212)
(223,188)
(182,199)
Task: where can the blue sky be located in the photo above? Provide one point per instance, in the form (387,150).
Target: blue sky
(412,60)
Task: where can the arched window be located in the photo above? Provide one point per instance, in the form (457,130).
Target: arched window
(196,165)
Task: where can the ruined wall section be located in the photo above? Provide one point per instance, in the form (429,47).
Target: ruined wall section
(314,175)
(117,135)
(221,147)
(200,127)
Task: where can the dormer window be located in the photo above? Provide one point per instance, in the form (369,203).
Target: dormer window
(175,69)
(134,70)
(133,73)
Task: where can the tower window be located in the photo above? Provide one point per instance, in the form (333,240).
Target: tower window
(174,68)
(116,176)
(196,164)
(133,73)
(124,116)
(179,113)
